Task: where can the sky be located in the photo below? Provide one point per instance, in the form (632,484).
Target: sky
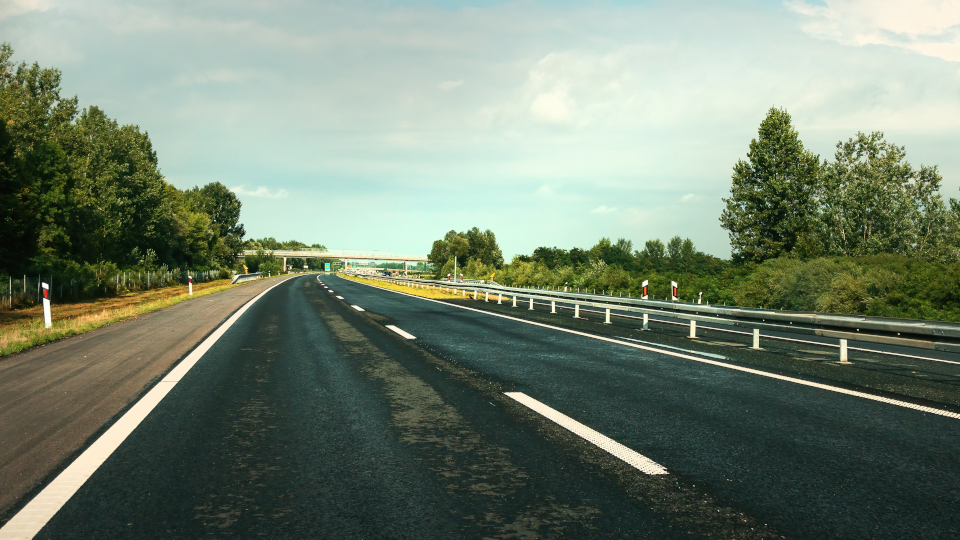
(381,125)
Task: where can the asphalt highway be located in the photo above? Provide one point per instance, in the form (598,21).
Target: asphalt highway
(315,415)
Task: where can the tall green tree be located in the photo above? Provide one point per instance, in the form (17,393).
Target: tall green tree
(466,246)
(876,202)
(773,197)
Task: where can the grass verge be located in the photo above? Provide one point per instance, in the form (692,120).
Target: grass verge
(437,294)
(23,328)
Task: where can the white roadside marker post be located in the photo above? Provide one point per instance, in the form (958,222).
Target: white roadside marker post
(190,284)
(47,322)
(843,352)
(693,329)
(487,297)
(531,304)
(553,306)
(499,299)
(576,311)
(608,317)
(645,322)
(514,300)
(756,339)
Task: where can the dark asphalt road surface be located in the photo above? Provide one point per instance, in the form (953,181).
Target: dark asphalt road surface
(55,397)
(311,419)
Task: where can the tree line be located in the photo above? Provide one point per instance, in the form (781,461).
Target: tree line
(868,201)
(866,233)
(81,194)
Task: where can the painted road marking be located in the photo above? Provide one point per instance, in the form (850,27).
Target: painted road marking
(863,395)
(32,517)
(401,332)
(764,336)
(358,308)
(329,290)
(634,459)
(340,297)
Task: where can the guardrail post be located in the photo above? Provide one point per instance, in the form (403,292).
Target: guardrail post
(531,304)
(576,311)
(553,306)
(843,352)
(514,300)
(693,329)
(645,322)
(756,338)
(608,317)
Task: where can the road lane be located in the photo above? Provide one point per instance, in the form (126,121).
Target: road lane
(56,397)
(311,419)
(812,463)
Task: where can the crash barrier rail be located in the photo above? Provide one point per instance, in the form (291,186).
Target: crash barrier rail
(931,335)
(240,278)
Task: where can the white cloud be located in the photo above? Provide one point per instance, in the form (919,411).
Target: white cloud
(261,192)
(446,86)
(11,8)
(929,27)
(604,209)
(689,197)
(552,108)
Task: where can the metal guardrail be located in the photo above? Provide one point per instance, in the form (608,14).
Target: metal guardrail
(932,335)
(240,278)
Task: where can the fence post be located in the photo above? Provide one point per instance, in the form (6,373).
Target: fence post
(608,317)
(843,352)
(756,338)
(693,329)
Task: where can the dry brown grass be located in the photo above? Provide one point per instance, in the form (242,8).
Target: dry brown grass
(23,328)
(439,294)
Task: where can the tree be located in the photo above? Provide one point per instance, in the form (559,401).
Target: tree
(471,245)
(223,208)
(773,197)
(876,202)
(654,251)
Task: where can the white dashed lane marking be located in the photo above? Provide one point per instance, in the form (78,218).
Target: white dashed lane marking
(401,332)
(358,308)
(634,459)
(340,297)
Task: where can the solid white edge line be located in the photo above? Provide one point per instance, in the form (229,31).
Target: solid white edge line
(765,336)
(898,403)
(358,308)
(619,451)
(401,332)
(35,515)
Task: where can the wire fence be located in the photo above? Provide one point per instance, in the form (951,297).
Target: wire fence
(26,290)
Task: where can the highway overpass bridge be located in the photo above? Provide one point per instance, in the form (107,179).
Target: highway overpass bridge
(344,255)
